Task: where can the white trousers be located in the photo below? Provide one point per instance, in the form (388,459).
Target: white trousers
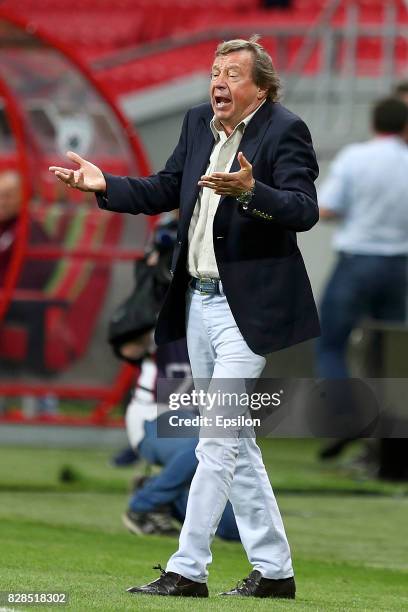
(229,467)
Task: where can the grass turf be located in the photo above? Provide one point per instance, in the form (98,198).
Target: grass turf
(349,550)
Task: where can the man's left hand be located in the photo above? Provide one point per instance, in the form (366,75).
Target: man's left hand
(230,183)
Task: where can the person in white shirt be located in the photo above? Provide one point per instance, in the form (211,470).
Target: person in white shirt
(366,190)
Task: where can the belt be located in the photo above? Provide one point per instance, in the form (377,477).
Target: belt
(206,285)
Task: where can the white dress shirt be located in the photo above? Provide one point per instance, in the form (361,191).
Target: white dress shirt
(367,187)
(201,261)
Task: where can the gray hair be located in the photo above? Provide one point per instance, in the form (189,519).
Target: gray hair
(263,72)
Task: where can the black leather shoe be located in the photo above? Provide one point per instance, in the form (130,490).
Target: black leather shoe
(173,584)
(256,586)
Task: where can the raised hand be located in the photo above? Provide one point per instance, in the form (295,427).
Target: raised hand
(230,183)
(87,177)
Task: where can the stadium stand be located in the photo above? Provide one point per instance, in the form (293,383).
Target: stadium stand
(110,37)
(96,28)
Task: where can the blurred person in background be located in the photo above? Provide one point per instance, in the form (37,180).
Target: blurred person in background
(392,453)
(159,499)
(162,498)
(366,191)
(401,92)
(35,273)
(131,325)
(33,276)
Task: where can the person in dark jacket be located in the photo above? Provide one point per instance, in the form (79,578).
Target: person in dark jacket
(242,176)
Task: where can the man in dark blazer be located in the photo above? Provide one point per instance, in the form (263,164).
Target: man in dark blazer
(242,176)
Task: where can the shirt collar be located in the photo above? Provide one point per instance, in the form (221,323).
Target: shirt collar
(389,137)
(218,131)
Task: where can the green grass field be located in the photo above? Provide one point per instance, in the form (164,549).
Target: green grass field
(348,535)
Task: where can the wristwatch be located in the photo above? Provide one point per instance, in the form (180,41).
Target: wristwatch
(246,197)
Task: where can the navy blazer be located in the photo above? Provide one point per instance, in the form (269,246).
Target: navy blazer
(260,265)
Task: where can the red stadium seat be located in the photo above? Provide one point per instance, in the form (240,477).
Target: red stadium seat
(97,28)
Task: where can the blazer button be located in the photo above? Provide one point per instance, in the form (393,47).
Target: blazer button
(179,242)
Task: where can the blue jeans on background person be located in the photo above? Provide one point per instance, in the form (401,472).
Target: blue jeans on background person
(171,485)
(360,286)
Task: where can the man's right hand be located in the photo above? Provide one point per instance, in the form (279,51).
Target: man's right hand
(87,177)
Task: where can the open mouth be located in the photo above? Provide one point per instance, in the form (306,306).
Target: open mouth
(222,101)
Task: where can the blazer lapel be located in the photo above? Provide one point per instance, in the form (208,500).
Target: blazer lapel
(254,134)
(202,147)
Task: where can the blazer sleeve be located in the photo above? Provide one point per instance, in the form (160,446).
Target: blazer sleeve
(292,201)
(149,195)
